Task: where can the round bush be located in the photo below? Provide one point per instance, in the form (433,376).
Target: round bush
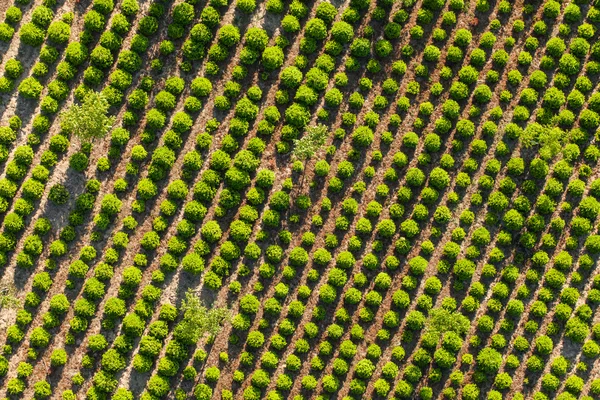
(272,58)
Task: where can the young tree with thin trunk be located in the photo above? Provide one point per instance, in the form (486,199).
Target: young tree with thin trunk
(308,145)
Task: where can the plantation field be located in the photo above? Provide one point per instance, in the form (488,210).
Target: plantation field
(297,199)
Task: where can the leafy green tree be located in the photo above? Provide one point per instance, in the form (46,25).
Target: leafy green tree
(550,140)
(441,320)
(90,120)
(199,319)
(306,147)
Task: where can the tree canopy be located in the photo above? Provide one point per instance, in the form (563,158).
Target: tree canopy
(90,120)
(441,320)
(199,319)
(307,146)
(550,140)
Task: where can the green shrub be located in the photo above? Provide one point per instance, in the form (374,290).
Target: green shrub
(272,57)
(13,15)
(79,162)
(129,61)
(112,361)
(133,325)
(59,304)
(58,194)
(489,360)
(42,390)
(31,34)
(39,337)
(30,88)
(111,204)
(13,68)
(249,304)
(59,32)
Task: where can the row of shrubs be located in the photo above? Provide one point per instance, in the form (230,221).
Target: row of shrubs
(470,388)
(244,160)
(236,178)
(272,306)
(515,307)
(18,168)
(280,196)
(264,179)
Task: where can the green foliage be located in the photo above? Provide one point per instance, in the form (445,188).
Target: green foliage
(272,57)
(90,120)
(30,88)
(306,147)
(32,34)
(198,319)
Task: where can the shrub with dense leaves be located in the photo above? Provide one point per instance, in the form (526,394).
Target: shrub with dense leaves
(272,58)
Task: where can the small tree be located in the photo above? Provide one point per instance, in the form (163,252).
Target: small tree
(441,320)
(307,146)
(8,298)
(90,120)
(199,319)
(550,140)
